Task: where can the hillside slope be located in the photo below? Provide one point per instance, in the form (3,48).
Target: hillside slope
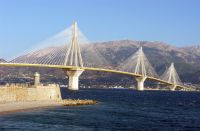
(113,54)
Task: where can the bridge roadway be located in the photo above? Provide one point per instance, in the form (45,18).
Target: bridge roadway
(86,68)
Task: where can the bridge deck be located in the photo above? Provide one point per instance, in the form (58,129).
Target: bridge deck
(85,68)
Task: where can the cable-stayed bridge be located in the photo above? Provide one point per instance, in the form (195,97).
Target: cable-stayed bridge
(72,52)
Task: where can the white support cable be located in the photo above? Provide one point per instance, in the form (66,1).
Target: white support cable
(137,64)
(60,49)
(52,60)
(75,44)
(62,57)
(76,59)
(72,53)
(68,54)
(54,40)
(80,56)
(171,76)
(44,59)
(58,57)
(140,63)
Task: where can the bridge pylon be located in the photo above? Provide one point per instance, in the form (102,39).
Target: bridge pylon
(140,83)
(143,68)
(171,76)
(139,64)
(140,69)
(173,87)
(73,78)
(73,58)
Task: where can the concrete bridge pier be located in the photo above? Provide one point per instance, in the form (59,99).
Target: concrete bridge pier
(140,83)
(158,85)
(173,87)
(73,78)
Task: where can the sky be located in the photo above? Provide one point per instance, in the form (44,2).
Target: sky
(24,23)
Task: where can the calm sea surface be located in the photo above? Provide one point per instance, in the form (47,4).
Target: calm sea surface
(118,109)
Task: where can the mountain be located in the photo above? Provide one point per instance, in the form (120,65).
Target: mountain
(113,54)
(2,60)
(160,55)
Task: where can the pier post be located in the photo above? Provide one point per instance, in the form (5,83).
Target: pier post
(140,83)
(73,78)
(37,79)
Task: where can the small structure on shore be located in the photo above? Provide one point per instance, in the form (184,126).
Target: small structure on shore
(18,92)
(37,79)
(25,92)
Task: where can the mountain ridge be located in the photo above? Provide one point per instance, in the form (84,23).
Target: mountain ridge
(160,55)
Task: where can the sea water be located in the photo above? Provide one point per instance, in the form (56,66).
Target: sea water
(117,109)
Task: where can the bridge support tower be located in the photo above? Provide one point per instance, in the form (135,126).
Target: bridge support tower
(173,87)
(73,78)
(140,83)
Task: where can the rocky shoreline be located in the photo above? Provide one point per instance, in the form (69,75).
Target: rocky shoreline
(70,102)
(17,106)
